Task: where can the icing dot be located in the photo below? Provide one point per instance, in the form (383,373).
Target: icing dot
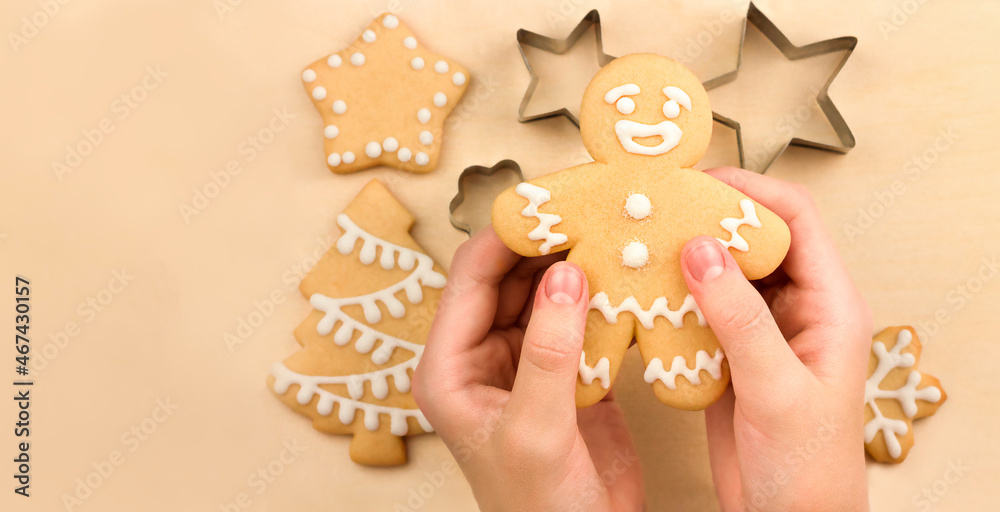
(334,61)
(410,42)
(625,105)
(348,157)
(373,149)
(308,75)
(404,154)
(368,36)
(390,21)
(440,99)
(638,206)
(426,138)
(458,78)
(333,159)
(331,131)
(319,93)
(423,115)
(422,158)
(417,63)
(357,58)
(441,66)
(390,144)
(635,255)
(339,107)
(671,109)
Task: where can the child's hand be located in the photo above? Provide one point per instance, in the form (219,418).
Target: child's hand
(498,378)
(788,434)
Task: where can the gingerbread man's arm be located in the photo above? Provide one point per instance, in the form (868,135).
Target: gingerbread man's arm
(537,217)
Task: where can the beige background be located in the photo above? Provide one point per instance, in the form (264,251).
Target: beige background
(162,335)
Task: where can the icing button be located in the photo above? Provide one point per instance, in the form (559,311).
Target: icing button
(635,255)
(638,206)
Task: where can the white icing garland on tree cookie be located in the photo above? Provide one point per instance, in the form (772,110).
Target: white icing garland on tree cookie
(536,197)
(906,396)
(309,386)
(646,317)
(702,361)
(601,371)
(367,339)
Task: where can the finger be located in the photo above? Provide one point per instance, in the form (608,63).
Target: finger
(515,288)
(761,363)
(545,383)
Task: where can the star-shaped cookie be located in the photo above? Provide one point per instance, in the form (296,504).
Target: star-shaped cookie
(896,394)
(384,99)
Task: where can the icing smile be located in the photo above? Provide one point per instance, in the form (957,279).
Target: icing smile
(628,131)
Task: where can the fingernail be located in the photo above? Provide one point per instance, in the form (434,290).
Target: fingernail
(705,261)
(564,285)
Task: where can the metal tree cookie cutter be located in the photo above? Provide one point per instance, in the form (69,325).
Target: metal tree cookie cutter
(791,52)
(456,202)
(558,47)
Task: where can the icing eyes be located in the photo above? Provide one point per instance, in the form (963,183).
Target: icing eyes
(625,105)
(678,99)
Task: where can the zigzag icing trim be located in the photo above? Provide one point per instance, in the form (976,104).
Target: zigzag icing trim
(702,361)
(731,225)
(660,307)
(906,396)
(309,386)
(367,339)
(601,370)
(536,197)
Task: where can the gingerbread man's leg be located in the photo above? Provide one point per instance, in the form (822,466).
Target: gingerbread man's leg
(685,365)
(604,346)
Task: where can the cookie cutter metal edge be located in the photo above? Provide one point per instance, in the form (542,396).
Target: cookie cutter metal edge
(758,19)
(456,202)
(558,47)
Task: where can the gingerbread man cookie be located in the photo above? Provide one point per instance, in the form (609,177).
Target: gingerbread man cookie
(384,99)
(624,218)
(374,295)
(896,394)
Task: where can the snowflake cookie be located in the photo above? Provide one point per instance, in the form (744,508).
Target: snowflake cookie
(374,295)
(384,99)
(896,394)
(624,218)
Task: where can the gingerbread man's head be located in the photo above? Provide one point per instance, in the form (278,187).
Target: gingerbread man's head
(646,109)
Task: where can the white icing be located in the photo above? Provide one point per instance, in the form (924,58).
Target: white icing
(319,93)
(906,396)
(426,138)
(458,78)
(390,144)
(536,197)
(678,98)
(422,158)
(348,157)
(600,371)
(622,90)
(357,58)
(629,130)
(404,154)
(440,99)
(441,66)
(635,255)
(390,21)
(702,361)
(334,61)
(367,338)
(368,36)
(424,116)
(625,105)
(646,317)
(410,42)
(731,225)
(417,63)
(333,159)
(339,107)
(373,149)
(308,75)
(331,131)
(638,206)
(309,387)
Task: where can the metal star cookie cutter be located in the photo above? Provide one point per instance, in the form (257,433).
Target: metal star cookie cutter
(791,52)
(558,47)
(456,202)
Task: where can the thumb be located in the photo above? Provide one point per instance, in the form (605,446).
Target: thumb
(760,360)
(545,384)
